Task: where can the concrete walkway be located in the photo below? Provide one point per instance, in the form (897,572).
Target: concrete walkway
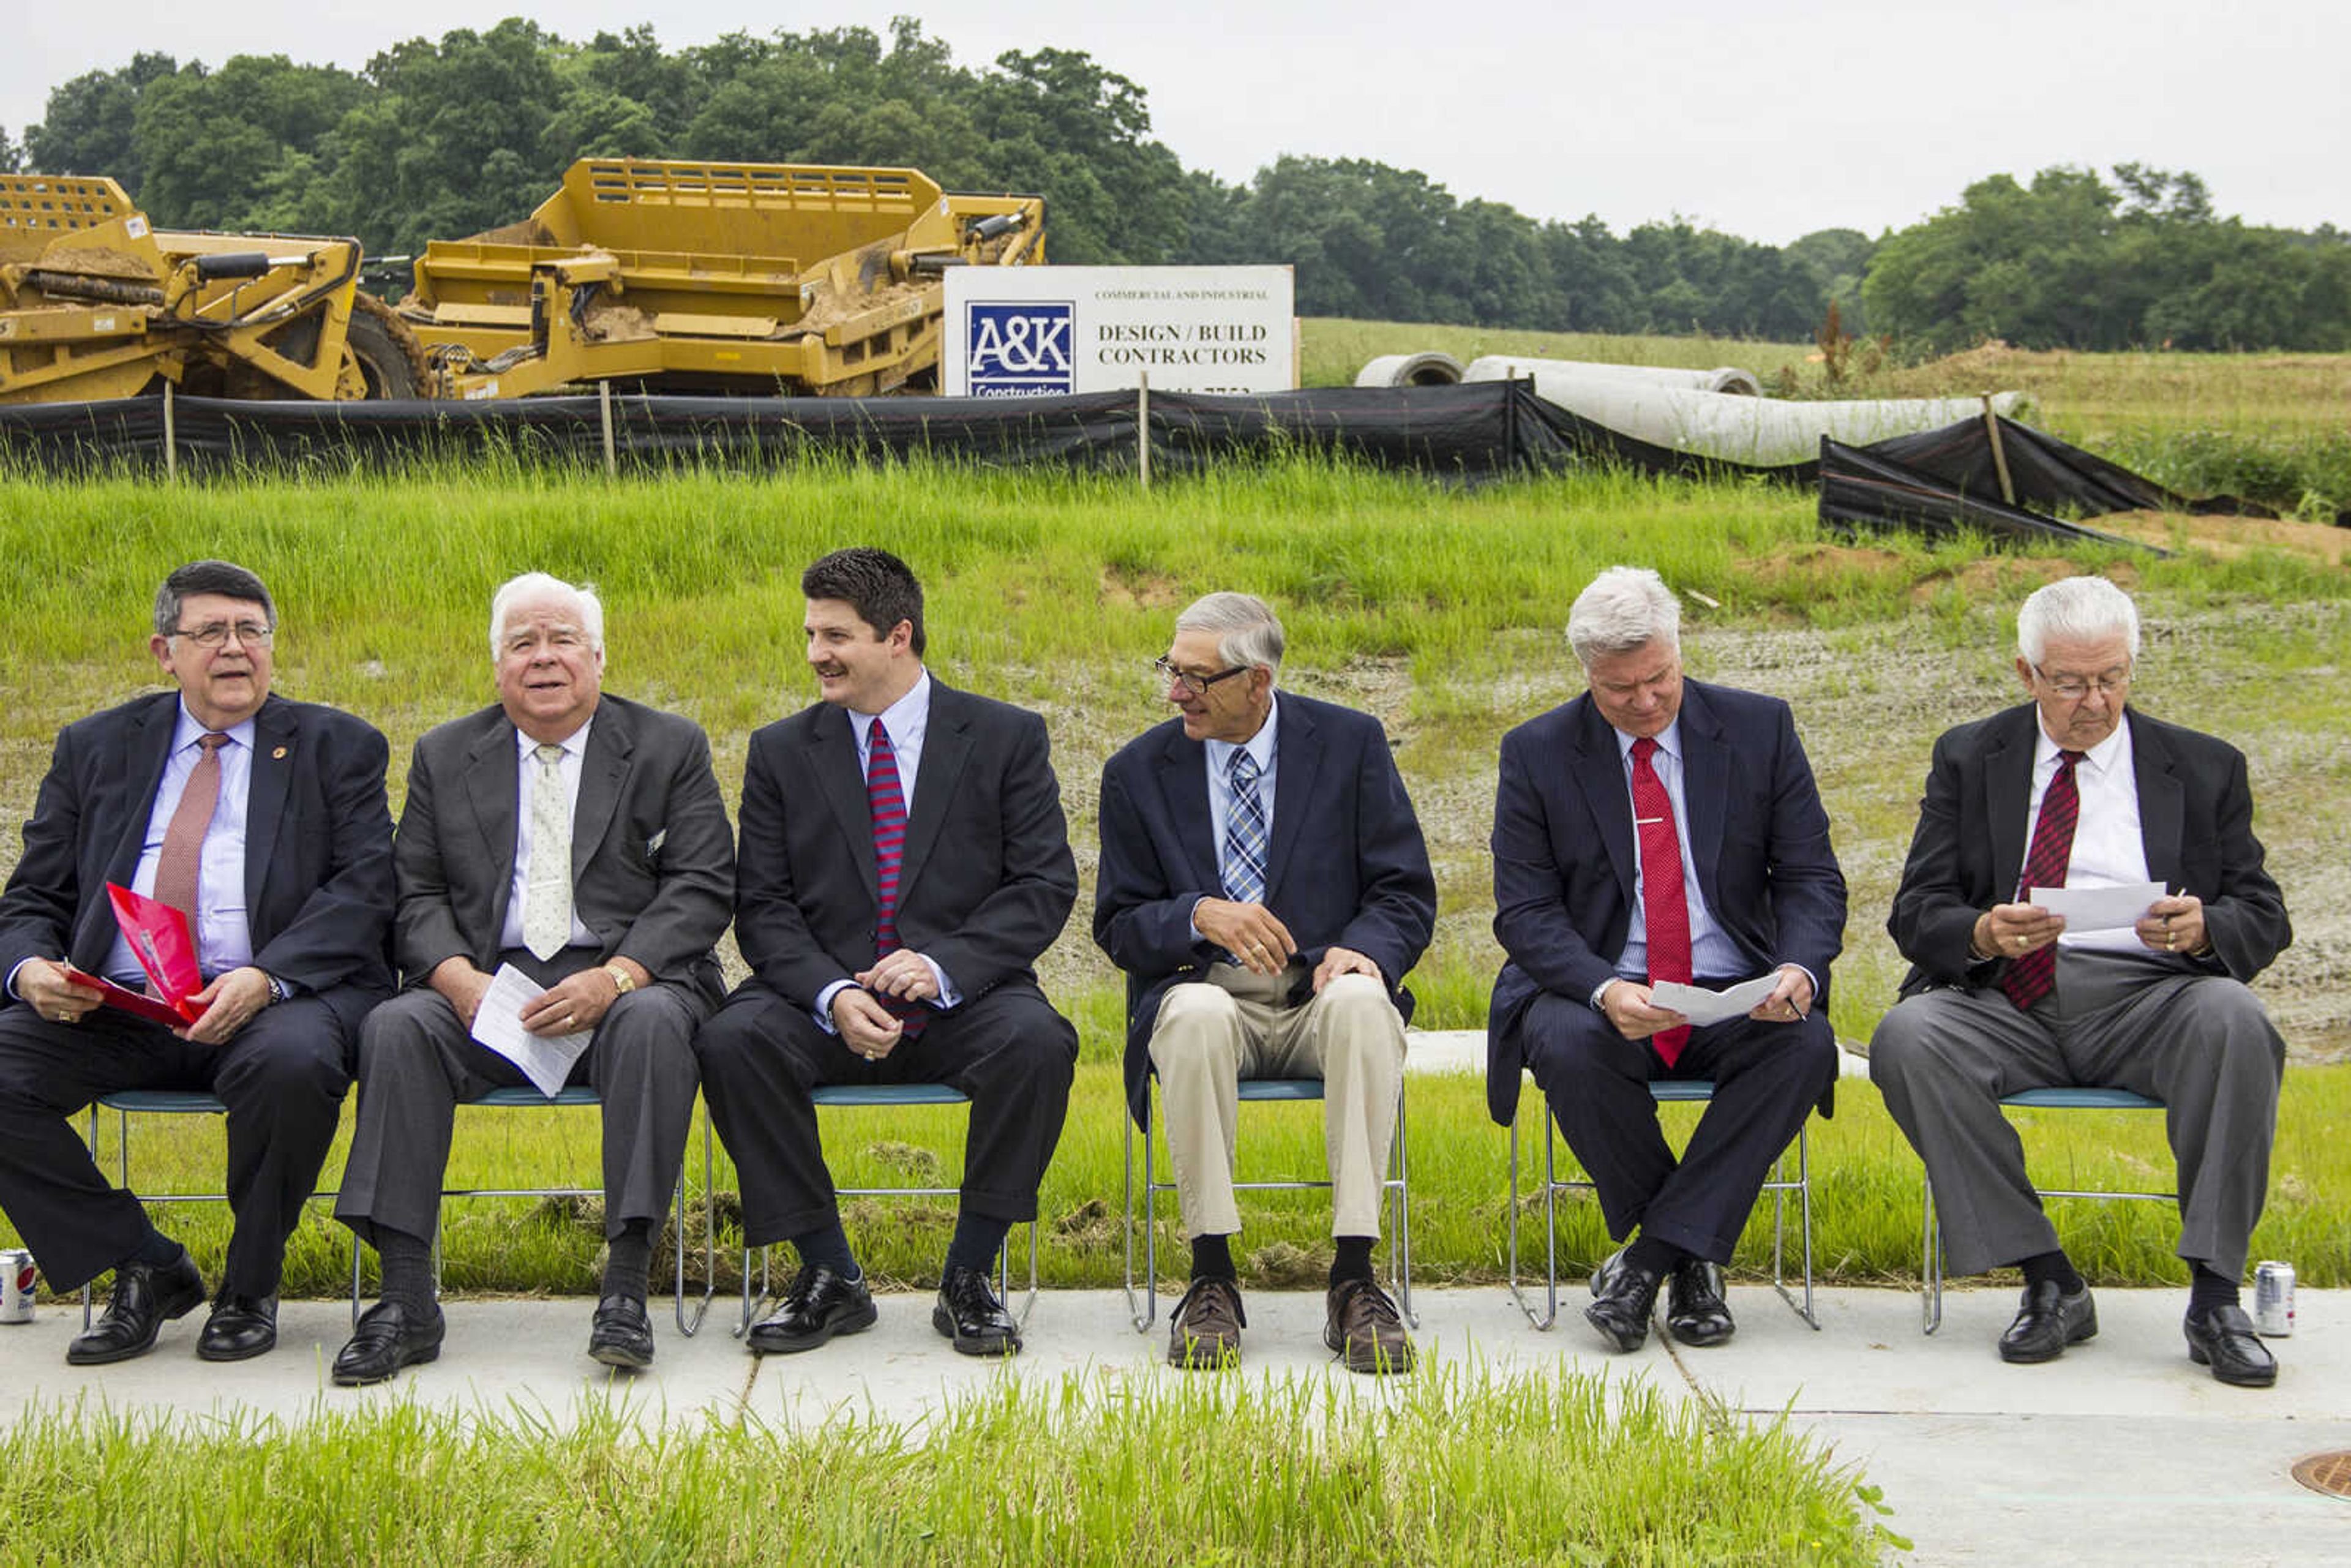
(2120,1452)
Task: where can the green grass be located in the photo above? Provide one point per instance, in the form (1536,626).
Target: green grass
(1456,1467)
(1337,349)
(1865,1188)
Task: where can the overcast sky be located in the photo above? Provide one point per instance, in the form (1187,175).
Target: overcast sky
(1767,118)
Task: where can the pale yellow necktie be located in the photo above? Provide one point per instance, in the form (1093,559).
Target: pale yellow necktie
(547,892)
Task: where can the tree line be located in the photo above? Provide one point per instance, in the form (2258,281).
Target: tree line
(441,139)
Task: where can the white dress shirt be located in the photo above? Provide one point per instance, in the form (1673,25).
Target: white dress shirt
(224,939)
(2109,850)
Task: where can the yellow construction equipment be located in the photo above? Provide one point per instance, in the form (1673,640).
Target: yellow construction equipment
(736,277)
(95,302)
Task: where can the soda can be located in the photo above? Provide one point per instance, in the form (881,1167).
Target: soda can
(17,1282)
(2274,1300)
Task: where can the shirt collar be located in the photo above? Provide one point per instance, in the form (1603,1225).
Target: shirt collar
(2101,759)
(1669,741)
(190,730)
(1259,746)
(907,715)
(574,745)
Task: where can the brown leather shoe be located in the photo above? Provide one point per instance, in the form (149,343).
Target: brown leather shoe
(1363,1326)
(1204,1328)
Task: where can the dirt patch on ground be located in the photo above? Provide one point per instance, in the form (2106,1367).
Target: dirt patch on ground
(1130,589)
(2227,539)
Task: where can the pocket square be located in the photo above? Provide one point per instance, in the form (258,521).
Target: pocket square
(654,845)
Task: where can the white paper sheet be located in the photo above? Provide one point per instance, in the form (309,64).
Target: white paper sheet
(2088,909)
(1701,1006)
(545,1059)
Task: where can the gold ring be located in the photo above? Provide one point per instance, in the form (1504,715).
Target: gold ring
(570,1018)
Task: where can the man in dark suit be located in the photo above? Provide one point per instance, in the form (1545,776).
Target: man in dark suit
(263,821)
(2077,790)
(580,840)
(1264,885)
(1660,828)
(904,860)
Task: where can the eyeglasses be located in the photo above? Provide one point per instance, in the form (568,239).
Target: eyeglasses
(1196,684)
(2073,688)
(215,634)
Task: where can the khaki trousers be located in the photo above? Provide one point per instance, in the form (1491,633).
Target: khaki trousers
(1211,1034)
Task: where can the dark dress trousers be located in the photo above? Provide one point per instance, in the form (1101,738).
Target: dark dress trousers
(319,897)
(653,864)
(1565,863)
(985,886)
(1345,864)
(2184,1030)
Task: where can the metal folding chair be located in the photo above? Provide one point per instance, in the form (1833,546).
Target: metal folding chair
(1396,1186)
(1665,1091)
(1930,1265)
(873,1096)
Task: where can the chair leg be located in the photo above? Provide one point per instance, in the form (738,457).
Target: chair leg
(1551,1230)
(686,1326)
(1401,1244)
(1930,1259)
(1802,1185)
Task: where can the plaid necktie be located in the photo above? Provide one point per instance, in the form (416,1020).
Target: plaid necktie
(1244,834)
(2033,975)
(885,802)
(1662,904)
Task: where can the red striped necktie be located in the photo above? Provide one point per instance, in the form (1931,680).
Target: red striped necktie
(1662,904)
(2033,975)
(885,801)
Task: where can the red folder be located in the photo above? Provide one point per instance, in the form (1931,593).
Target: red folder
(159,939)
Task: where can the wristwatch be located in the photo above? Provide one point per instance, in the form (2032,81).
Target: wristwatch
(278,991)
(621,984)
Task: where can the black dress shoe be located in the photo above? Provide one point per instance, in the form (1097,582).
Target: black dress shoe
(818,1304)
(2047,1321)
(145,1298)
(1695,1312)
(387,1339)
(2223,1340)
(240,1327)
(1623,1296)
(968,1313)
(622,1336)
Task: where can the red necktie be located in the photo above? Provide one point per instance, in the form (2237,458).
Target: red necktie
(1662,904)
(177,866)
(886,801)
(2032,976)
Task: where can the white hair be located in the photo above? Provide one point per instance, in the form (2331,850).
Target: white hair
(2077,610)
(539,585)
(1248,634)
(1625,608)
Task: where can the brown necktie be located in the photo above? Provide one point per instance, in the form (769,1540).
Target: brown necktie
(183,840)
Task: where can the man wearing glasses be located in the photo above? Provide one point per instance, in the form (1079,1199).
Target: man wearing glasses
(1264,885)
(263,822)
(2075,789)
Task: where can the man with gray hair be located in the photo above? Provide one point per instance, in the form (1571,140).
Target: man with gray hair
(579,839)
(1659,828)
(2077,788)
(1264,885)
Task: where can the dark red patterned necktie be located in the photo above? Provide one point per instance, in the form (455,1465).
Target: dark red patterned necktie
(1662,904)
(2032,976)
(886,801)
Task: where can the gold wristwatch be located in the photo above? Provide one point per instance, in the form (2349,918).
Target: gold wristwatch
(621,984)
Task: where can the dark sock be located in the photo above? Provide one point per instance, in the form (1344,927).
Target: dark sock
(1655,1256)
(2208,1291)
(158,1251)
(2051,1265)
(407,1270)
(629,1261)
(828,1247)
(1212,1258)
(1352,1258)
(978,1240)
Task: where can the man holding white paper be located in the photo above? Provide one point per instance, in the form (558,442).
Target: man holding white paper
(1656,830)
(578,839)
(2076,790)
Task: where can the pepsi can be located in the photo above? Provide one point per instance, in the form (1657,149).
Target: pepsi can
(18,1281)
(2274,1300)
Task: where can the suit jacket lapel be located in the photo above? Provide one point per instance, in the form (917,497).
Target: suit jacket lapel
(492,774)
(1597,769)
(1298,758)
(275,757)
(842,784)
(146,747)
(2008,797)
(1183,775)
(1706,782)
(603,770)
(2162,801)
(947,747)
